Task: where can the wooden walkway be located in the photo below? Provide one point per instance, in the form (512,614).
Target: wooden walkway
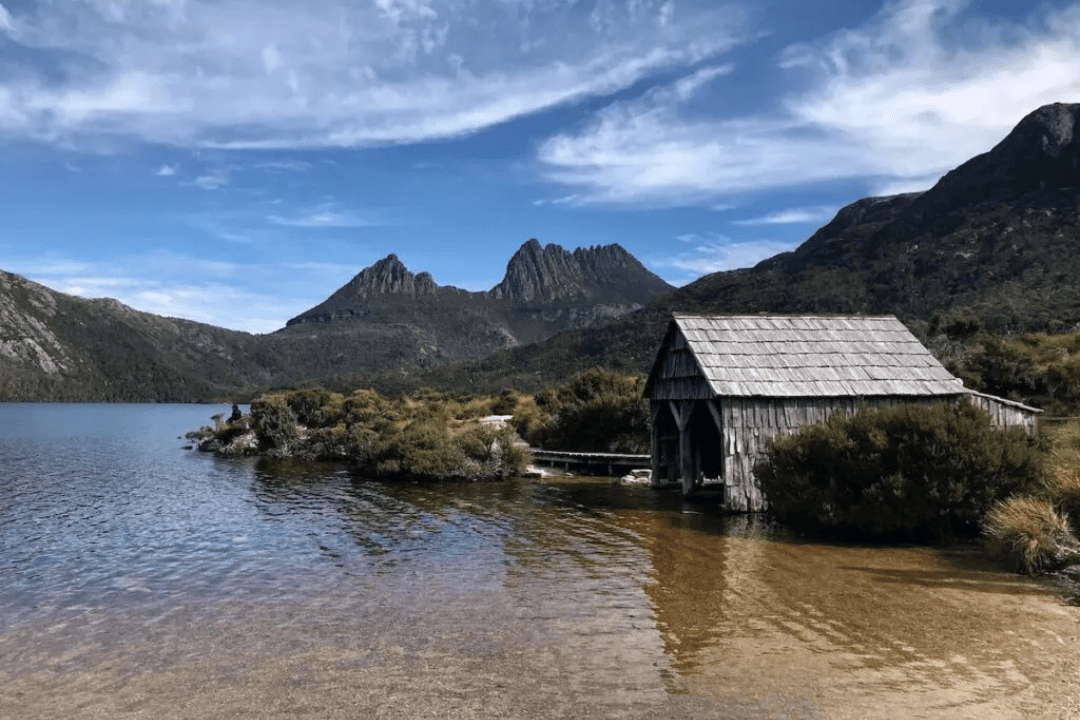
(612,464)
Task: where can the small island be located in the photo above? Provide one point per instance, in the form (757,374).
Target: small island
(426,436)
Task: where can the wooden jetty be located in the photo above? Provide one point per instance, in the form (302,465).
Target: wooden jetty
(610,464)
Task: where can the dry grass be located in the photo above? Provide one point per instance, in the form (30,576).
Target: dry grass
(1031,534)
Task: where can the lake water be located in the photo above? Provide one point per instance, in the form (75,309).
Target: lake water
(140,579)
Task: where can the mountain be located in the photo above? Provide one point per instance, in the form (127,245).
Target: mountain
(593,283)
(604,275)
(992,248)
(387,325)
(60,347)
(391,323)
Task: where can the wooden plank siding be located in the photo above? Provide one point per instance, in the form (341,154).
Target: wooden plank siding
(725,385)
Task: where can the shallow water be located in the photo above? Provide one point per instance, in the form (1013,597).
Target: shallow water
(144,580)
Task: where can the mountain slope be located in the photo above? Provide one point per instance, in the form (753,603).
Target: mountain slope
(60,347)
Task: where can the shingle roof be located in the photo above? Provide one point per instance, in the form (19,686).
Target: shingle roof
(798,356)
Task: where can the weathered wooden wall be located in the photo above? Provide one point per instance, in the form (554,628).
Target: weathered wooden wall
(679,376)
(1005,413)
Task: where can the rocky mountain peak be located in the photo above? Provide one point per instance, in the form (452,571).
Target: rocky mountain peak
(550,273)
(387,278)
(1041,153)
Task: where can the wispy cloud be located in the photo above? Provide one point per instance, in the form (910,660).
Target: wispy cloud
(714,252)
(213,179)
(240,296)
(283,166)
(899,101)
(792,216)
(167,170)
(321,218)
(333,73)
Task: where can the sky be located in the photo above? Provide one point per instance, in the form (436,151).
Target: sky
(236,161)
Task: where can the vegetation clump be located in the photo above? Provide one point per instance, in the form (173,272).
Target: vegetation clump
(1039,369)
(911,472)
(426,436)
(1036,532)
(1031,535)
(594,411)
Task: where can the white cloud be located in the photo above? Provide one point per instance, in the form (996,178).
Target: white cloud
(283,166)
(321,218)
(213,179)
(895,103)
(792,216)
(167,170)
(716,253)
(251,297)
(289,73)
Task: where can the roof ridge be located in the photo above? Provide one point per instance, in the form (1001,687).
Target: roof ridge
(799,355)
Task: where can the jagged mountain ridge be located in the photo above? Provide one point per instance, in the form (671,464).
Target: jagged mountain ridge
(388,317)
(537,276)
(604,274)
(993,247)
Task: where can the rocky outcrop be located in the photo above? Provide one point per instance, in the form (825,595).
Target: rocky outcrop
(1040,155)
(552,274)
(602,282)
(26,340)
(388,278)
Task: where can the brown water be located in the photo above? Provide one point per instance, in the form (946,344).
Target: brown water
(141,580)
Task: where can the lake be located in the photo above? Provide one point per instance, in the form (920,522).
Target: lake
(141,579)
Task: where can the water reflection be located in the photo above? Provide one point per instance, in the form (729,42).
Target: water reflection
(167,574)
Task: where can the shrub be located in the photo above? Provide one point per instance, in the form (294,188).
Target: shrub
(364,406)
(309,405)
(422,449)
(506,403)
(274,424)
(1064,487)
(913,472)
(1030,534)
(597,410)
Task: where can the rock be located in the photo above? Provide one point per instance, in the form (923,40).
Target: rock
(1040,153)
(550,273)
(637,477)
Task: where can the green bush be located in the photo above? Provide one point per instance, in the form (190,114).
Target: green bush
(422,449)
(275,424)
(909,472)
(1035,368)
(597,410)
(310,407)
(364,406)
(506,403)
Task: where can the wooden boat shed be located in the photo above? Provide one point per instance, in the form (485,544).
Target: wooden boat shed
(721,386)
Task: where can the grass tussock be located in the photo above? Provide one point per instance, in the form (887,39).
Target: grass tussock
(1031,535)
(1037,532)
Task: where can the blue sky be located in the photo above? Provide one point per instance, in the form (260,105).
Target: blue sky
(236,161)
